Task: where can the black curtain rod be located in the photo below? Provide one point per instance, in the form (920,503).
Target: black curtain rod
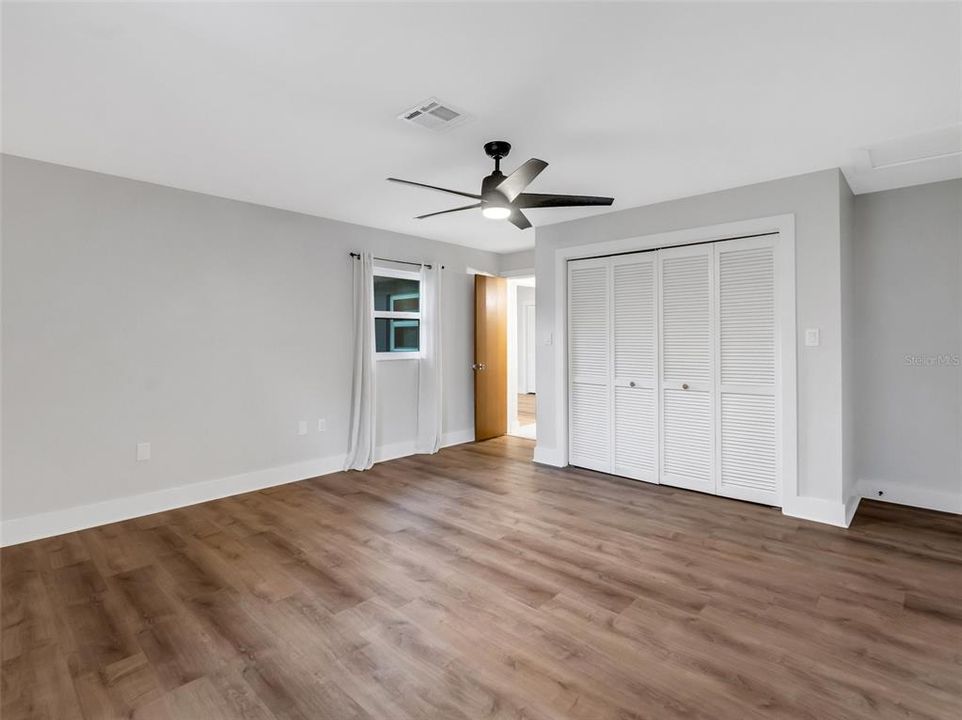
(666,247)
(399,262)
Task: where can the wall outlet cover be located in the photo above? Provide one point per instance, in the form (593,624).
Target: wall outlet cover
(143,451)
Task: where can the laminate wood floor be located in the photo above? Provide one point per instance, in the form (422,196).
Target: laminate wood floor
(474,584)
(526,408)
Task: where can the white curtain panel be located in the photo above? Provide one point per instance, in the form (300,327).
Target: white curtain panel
(360,452)
(429,366)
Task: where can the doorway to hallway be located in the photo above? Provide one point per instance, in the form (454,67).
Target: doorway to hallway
(522,341)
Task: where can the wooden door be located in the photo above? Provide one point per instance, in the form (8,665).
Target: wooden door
(490,357)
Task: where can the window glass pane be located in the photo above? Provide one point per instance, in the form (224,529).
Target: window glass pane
(396,294)
(397,335)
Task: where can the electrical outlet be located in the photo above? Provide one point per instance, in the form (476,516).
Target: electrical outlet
(812,337)
(302,427)
(322,425)
(143,451)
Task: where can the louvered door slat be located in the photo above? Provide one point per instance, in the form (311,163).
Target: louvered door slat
(634,316)
(687,432)
(589,430)
(588,322)
(589,359)
(746,351)
(687,375)
(747,442)
(746,311)
(686,334)
(635,362)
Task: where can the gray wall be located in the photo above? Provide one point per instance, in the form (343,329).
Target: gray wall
(511,263)
(814,199)
(908,275)
(135,312)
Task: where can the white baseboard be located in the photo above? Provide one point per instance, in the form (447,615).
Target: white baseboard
(393,451)
(528,432)
(57,522)
(903,493)
(549,456)
(80,517)
(850,507)
(458,437)
(819,510)
(404,449)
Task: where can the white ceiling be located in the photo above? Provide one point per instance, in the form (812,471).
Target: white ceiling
(295,106)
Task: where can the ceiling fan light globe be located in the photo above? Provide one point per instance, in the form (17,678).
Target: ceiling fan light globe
(496,212)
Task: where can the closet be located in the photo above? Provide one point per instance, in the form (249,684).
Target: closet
(672,367)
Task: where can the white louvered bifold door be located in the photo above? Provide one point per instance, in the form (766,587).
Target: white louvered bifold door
(589,359)
(635,366)
(747,448)
(687,368)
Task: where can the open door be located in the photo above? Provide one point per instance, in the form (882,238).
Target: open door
(490,357)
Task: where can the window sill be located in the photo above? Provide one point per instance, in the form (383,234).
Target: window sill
(397,356)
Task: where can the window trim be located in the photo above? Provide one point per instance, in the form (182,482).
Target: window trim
(380,271)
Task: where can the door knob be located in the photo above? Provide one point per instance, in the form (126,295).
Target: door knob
(631,384)
(478,366)
(684,386)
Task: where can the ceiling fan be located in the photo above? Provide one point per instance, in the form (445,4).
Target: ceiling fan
(502,197)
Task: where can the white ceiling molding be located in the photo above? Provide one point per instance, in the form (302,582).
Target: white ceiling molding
(911,160)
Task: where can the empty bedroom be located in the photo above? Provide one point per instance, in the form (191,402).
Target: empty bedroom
(458,360)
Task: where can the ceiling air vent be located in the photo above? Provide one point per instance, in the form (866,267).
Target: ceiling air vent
(434,115)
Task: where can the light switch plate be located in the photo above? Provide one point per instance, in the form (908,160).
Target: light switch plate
(302,427)
(322,425)
(143,451)
(812,338)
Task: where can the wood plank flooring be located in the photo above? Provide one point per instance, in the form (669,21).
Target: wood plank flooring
(526,408)
(474,584)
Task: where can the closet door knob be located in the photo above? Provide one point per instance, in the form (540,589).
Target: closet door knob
(631,384)
(684,386)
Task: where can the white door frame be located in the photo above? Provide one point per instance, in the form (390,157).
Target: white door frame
(786,344)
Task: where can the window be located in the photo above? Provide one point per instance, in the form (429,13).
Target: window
(397,313)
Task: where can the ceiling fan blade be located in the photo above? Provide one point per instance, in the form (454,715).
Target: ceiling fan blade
(537,200)
(435,187)
(517,181)
(518,219)
(442,212)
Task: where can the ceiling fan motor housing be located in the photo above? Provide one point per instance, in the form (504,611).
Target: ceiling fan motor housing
(488,185)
